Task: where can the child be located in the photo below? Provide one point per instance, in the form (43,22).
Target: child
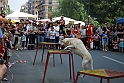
(24,40)
(105,41)
(61,37)
(47,36)
(52,35)
(121,45)
(9,48)
(115,44)
(96,41)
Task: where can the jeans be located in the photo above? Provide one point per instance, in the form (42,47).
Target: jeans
(40,38)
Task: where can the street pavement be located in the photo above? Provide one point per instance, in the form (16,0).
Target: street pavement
(23,70)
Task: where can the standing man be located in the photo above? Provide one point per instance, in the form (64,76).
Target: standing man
(89,35)
(82,33)
(56,28)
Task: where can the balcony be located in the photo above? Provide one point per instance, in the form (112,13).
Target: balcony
(1,5)
(50,2)
(38,0)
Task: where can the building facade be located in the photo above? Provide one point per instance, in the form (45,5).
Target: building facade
(24,8)
(46,7)
(31,7)
(4,6)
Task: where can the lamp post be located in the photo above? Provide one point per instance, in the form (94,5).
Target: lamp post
(88,12)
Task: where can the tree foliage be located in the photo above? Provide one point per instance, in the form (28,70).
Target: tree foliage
(72,9)
(102,10)
(105,10)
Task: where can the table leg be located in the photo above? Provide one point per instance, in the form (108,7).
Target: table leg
(70,65)
(53,56)
(100,80)
(108,80)
(35,55)
(46,65)
(53,61)
(61,59)
(76,79)
(73,66)
(60,55)
(42,53)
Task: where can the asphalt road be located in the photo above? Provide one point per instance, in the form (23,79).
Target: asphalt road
(25,72)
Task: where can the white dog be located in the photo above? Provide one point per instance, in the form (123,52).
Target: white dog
(76,45)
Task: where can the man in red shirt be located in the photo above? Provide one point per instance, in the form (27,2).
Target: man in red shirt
(89,35)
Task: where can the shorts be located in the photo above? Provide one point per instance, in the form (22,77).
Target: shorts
(9,53)
(104,43)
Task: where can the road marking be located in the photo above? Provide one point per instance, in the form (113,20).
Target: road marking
(113,60)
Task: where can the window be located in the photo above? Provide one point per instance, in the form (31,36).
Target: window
(50,1)
(50,8)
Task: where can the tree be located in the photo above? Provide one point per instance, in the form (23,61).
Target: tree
(102,10)
(72,9)
(105,10)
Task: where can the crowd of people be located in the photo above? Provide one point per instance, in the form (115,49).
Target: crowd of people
(28,34)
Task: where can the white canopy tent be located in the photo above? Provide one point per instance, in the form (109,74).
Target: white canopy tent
(17,14)
(65,18)
(77,22)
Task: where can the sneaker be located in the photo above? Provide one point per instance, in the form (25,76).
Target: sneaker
(17,49)
(25,48)
(4,79)
(21,48)
(105,50)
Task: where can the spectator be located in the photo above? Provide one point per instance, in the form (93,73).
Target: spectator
(32,36)
(89,35)
(41,34)
(62,27)
(3,68)
(121,45)
(120,30)
(104,41)
(52,35)
(56,28)
(68,32)
(82,32)
(28,26)
(19,32)
(75,31)
(47,35)
(8,43)
(96,41)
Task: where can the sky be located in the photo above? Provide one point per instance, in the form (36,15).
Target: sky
(16,4)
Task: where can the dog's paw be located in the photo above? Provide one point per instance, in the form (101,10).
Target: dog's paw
(67,49)
(82,76)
